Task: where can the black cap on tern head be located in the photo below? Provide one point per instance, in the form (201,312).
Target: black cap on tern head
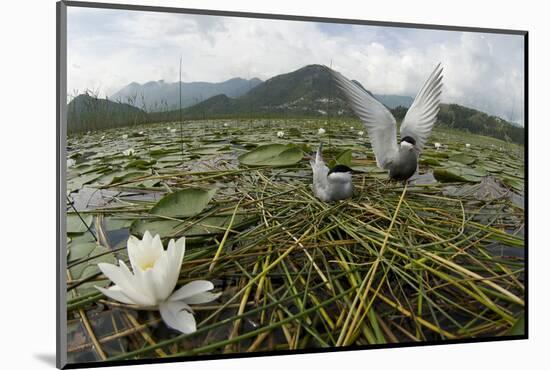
(340,168)
(409,139)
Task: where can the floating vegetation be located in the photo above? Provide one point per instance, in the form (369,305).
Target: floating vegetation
(275,155)
(438,259)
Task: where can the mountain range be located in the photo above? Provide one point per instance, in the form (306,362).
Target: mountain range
(306,92)
(155,96)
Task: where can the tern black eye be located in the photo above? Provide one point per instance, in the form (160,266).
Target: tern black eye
(340,168)
(409,139)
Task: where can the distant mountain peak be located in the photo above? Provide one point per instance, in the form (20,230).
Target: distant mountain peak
(161,95)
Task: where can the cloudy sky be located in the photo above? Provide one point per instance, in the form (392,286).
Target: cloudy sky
(108,49)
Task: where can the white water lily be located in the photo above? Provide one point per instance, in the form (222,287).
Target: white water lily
(280,134)
(351,128)
(125,136)
(141,132)
(321,131)
(168,128)
(173,130)
(102,137)
(226,124)
(437,146)
(151,282)
(360,133)
(467,145)
(129,152)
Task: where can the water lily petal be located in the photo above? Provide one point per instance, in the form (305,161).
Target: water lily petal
(116,293)
(147,238)
(180,245)
(203,297)
(121,276)
(156,245)
(148,285)
(175,253)
(161,275)
(178,315)
(191,289)
(115,274)
(133,246)
(144,253)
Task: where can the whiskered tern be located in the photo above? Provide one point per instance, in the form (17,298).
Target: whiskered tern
(330,184)
(400,159)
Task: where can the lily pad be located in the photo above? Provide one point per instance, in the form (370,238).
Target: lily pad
(344,158)
(75,224)
(519,327)
(460,174)
(89,268)
(170,228)
(462,158)
(165,228)
(183,203)
(430,162)
(512,182)
(140,164)
(79,181)
(272,155)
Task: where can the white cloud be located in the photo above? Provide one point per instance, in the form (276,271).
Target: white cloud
(107,49)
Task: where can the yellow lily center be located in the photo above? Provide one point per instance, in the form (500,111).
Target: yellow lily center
(147,265)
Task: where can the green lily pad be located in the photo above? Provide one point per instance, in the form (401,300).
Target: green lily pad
(519,327)
(344,158)
(430,162)
(140,164)
(160,152)
(513,182)
(460,174)
(170,228)
(462,158)
(165,228)
(89,268)
(439,154)
(75,224)
(112,223)
(124,176)
(272,155)
(80,250)
(183,203)
(79,181)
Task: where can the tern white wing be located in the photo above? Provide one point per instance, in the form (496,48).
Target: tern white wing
(378,120)
(320,174)
(422,114)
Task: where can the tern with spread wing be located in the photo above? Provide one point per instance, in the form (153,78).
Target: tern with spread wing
(401,160)
(330,184)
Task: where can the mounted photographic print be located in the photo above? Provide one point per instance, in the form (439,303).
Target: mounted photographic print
(237,184)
